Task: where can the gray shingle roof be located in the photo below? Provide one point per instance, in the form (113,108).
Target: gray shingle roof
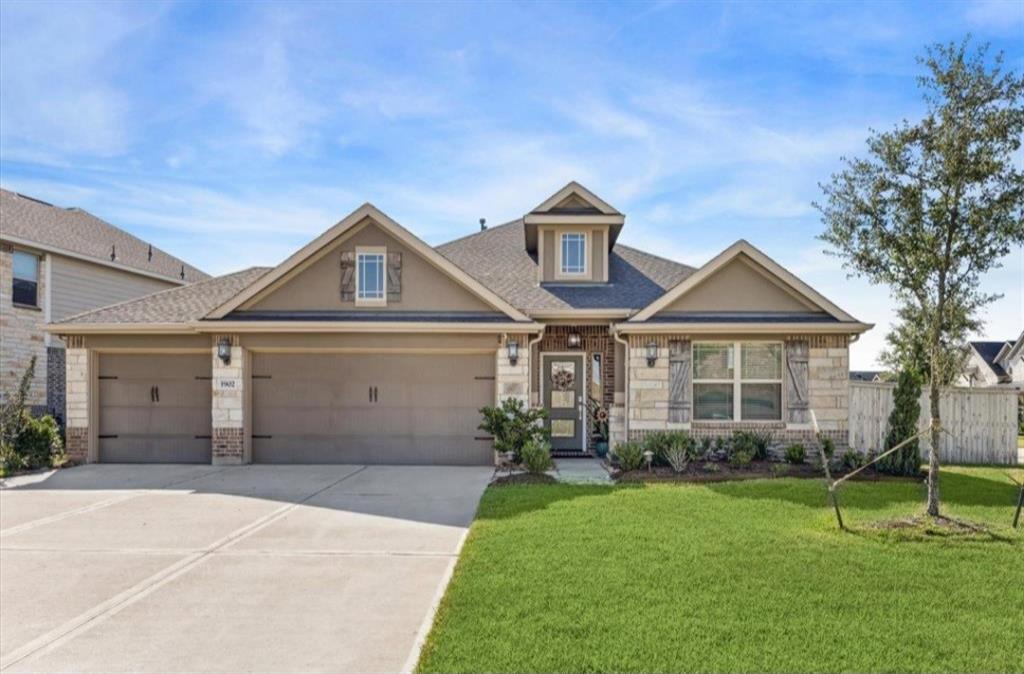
(174,305)
(79,232)
(988,351)
(497,258)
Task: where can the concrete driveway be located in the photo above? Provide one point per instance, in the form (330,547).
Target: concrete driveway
(124,568)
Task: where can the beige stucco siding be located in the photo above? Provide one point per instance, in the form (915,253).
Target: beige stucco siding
(598,255)
(80,286)
(318,286)
(740,286)
(370,341)
(549,254)
(154,343)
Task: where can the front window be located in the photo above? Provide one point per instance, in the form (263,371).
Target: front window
(737,381)
(574,257)
(370,276)
(26,279)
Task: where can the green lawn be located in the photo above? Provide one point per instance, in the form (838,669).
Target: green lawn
(741,576)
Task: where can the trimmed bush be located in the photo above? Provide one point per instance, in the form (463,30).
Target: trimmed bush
(535,456)
(740,457)
(756,443)
(513,425)
(630,455)
(851,460)
(796,453)
(829,447)
(906,409)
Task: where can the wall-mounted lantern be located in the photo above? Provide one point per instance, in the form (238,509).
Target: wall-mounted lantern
(574,340)
(652,353)
(512,349)
(224,349)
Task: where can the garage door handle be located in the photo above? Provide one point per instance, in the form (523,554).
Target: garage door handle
(152,394)
(157,389)
(376,395)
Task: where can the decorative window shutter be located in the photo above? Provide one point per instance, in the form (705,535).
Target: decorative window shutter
(348,276)
(797,353)
(679,403)
(394,277)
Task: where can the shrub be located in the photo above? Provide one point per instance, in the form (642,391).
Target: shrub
(711,467)
(902,425)
(851,460)
(780,469)
(27,442)
(796,453)
(630,455)
(535,456)
(657,442)
(828,447)
(705,446)
(513,425)
(680,451)
(754,442)
(740,457)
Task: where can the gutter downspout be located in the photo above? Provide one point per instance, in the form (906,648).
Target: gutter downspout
(625,370)
(529,352)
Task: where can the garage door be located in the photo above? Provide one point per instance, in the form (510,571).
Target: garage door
(155,408)
(371,408)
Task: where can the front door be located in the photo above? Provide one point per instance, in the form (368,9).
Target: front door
(563,398)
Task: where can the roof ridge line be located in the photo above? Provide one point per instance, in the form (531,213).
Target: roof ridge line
(655,256)
(482,231)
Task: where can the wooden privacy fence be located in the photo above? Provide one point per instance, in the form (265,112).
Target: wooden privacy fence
(981,424)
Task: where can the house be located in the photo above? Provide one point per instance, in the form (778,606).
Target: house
(369,346)
(55,263)
(994,364)
(867,375)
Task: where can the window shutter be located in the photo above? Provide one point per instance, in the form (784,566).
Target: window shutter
(679,403)
(394,277)
(348,276)
(796,381)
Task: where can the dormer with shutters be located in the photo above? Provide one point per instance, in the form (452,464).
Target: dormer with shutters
(571,234)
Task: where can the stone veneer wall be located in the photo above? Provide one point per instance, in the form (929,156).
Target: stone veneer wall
(228,405)
(76,422)
(513,381)
(21,334)
(827,382)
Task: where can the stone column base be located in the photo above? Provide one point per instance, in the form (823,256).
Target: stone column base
(76,443)
(228,446)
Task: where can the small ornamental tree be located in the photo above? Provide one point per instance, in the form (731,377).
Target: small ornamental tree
(906,410)
(934,206)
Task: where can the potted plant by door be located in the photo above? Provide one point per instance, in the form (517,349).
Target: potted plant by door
(599,424)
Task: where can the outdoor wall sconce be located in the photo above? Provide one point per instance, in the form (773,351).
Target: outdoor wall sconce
(512,348)
(224,349)
(652,353)
(574,340)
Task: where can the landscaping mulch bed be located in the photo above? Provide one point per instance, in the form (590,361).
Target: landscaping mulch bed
(925,527)
(522,478)
(757,470)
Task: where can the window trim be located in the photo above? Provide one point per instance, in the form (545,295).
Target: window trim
(14,277)
(737,381)
(561,234)
(366,251)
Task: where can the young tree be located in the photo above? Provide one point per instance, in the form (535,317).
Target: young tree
(935,205)
(906,409)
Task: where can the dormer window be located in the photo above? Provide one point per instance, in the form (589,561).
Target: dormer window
(573,258)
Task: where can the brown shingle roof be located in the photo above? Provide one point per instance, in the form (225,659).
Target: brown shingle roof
(497,258)
(81,233)
(174,305)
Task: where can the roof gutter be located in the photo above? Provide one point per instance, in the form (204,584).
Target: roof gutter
(625,384)
(742,328)
(205,327)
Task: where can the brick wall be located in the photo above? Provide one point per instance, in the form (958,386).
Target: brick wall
(21,334)
(827,381)
(593,339)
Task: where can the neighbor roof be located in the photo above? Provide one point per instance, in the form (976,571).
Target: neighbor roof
(80,234)
(174,305)
(988,352)
(496,257)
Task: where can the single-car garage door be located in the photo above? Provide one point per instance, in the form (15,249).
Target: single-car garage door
(155,408)
(371,408)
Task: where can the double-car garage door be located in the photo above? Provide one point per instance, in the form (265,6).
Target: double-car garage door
(306,408)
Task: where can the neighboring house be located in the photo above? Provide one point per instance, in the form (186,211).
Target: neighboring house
(370,346)
(994,364)
(55,263)
(867,375)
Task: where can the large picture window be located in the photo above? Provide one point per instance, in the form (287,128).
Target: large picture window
(737,381)
(25,286)
(370,276)
(574,253)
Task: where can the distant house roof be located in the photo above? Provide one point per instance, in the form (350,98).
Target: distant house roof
(988,351)
(497,258)
(77,233)
(866,375)
(175,305)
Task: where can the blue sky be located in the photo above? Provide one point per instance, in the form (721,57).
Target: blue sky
(232,133)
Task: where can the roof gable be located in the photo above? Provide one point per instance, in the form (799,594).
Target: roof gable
(323,244)
(786,288)
(575,197)
(572,205)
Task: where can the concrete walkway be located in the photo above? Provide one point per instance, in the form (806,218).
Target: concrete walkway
(581,471)
(257,568)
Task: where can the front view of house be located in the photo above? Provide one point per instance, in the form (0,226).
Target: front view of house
(370,346)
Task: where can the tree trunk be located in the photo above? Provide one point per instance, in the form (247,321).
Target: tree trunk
(933,455)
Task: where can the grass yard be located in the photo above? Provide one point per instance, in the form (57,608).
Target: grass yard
(742,576)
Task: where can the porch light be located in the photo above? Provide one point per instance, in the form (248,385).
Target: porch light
(574,340)
(652,353)
(224,349)
(512,348)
